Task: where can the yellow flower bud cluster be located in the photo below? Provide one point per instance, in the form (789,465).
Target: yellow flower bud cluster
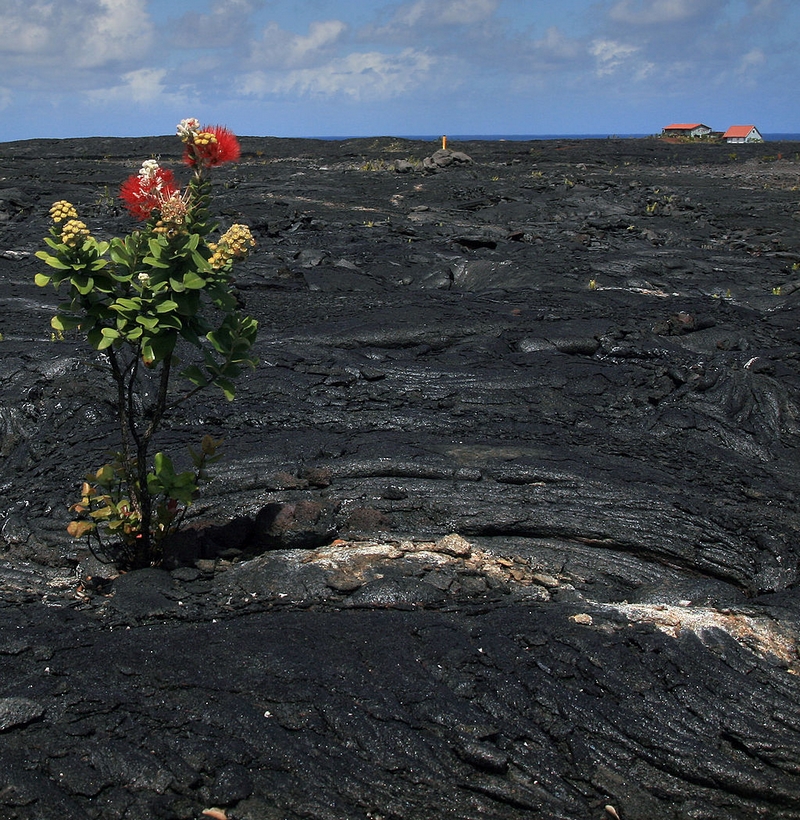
(74,232)
(203,138)
(63,210)
(235,243)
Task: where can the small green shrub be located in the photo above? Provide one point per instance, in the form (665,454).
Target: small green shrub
(139,300)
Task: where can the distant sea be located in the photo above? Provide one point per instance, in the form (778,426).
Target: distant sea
(529,137)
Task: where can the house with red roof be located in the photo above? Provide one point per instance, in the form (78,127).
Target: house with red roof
(684,129)
(742,133)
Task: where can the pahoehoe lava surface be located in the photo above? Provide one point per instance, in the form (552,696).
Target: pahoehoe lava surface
(506,523)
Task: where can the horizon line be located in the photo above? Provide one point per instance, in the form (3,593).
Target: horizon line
(419,137)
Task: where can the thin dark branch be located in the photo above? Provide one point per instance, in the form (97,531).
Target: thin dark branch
(160,406)
(123,417)
(181,399)
(130,410)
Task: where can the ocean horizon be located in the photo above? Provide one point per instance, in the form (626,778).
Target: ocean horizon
(777,137)
(452,138)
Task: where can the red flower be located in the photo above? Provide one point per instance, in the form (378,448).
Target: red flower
(142,193)
(212,145)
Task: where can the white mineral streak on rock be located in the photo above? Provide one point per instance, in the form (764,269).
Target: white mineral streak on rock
(761,635)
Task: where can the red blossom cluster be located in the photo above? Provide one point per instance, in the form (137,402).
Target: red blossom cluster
(142,193)
(206,147)
(210,146)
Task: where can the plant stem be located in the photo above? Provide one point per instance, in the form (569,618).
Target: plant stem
(144,550)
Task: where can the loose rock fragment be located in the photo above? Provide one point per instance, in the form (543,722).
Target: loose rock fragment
(455,545)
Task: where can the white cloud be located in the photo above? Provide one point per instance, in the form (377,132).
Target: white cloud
(227,25)
(358,76)
(766,8)
(610,55)
(22,33)
(645,70)
(753,58)
(144,87)
(320,36)
(75,34)
(659,12)
(282,49)
(747,71)
(121,30)
(555,46)
(690,44)
(445,12)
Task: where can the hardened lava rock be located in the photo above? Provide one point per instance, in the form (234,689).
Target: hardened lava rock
(506,519)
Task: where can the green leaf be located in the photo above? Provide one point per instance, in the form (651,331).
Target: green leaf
(83,285)
(169,321)
(200,262)
(107,337)
(163,344)
(101,514)
(195,375)
(104,476)
(64,323)
(119,277)
(126,304)
(166,306)
(163,466)
(122,252)
(190,335)
(219,340)
(232,370)
(156,246)
(192,281)
(154,262)
(95,338)
(183,488)
(41,279)
(53,261)
(227,388)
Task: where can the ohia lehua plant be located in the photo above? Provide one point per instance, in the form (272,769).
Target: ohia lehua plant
(157,303)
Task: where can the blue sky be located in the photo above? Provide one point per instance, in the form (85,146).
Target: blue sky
(76,68)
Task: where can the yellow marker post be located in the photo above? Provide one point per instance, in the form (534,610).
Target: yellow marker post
(444,143)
